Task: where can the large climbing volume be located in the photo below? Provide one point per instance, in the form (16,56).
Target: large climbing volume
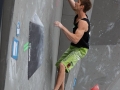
(96,87)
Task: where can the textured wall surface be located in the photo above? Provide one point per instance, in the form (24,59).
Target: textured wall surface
(15,72)
(101,65)
(1,5)
(5,30)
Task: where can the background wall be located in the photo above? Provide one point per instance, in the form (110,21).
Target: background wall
(1,5)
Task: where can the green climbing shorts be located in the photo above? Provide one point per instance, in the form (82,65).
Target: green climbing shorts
(71,56)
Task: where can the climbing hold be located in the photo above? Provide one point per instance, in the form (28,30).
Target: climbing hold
(96,87)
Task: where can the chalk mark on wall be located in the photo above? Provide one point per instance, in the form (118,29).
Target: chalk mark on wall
(12,70)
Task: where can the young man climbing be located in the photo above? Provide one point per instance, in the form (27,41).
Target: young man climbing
(79,40)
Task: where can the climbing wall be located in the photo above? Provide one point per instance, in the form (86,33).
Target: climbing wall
(29,44)
(101,65)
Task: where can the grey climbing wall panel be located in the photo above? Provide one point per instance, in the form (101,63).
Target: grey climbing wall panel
(101,65)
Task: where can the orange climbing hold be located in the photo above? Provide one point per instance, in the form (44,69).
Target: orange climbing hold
(96,87)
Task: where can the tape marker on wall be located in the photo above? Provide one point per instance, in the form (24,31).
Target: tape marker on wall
(18,29)
(74,83)
(26,46)
(15,47)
